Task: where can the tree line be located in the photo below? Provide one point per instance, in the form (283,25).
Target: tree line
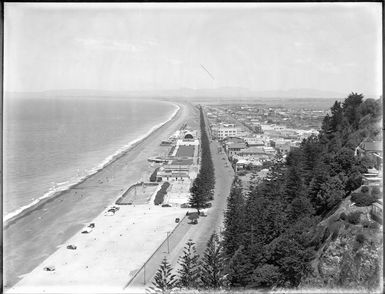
(202,189)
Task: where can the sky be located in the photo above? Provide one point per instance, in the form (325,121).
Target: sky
(143,46)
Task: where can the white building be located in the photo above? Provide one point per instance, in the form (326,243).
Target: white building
(222,132)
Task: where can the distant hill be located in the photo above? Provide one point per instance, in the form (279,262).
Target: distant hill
(218,94)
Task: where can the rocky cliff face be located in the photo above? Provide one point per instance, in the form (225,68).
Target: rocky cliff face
(350,257)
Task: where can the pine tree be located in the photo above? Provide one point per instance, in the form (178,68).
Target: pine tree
(189,271)
(239,269)
(212,264)
(164,280)
(234,221)
(197,198)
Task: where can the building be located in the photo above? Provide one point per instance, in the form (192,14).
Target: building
(235,148)
(184,160)
(372,150)
(223,131)
(254,141)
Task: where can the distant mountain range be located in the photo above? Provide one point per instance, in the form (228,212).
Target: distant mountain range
(218,93)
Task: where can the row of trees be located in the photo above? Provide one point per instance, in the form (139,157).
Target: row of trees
(202,189)
(194,272)
(269,233)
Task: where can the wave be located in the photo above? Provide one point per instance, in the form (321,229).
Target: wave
(57,188)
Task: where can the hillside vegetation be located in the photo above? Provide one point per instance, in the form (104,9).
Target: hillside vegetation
(289,231)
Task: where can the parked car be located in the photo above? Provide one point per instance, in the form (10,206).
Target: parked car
(50,268)
(177,220)
(166,205)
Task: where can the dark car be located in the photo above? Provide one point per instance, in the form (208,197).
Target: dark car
(177,220)
(166,205)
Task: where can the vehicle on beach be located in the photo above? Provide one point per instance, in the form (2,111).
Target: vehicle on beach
(72,247)
(50,268)
(112,210)
(87,230)
(177,220)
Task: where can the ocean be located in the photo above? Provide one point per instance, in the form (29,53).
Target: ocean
(50,144)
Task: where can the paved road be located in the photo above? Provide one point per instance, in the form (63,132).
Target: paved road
(199,233)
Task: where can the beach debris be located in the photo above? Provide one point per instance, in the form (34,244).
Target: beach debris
(91,225)
(50,268)
(72,247)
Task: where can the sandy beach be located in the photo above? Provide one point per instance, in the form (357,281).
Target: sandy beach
(30,240)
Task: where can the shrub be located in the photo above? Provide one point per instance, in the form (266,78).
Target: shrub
(376,191)
(343,216)
(361,199)
(160,194)
(364,189)
(374,226)
(365,223)
(153,175)
(360,238)
(354,217)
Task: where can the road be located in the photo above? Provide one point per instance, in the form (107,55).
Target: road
(199,233)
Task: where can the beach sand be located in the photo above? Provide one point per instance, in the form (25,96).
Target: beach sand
(107,257)
(31,239)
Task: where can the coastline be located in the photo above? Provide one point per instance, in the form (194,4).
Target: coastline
(12,217)
(41,231)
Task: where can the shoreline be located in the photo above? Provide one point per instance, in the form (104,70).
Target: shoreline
(40,232)
(12,217)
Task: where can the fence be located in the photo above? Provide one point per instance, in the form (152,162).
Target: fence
(147,271)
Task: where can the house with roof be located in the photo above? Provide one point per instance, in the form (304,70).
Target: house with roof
(373,150)
(234,148)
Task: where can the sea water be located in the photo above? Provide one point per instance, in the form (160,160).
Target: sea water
(50,144)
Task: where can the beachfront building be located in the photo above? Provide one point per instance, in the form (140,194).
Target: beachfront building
(184,159)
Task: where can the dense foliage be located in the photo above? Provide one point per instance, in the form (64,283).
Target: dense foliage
(271,230)
(159,197)
(154,174)
(194,272)
(203,185)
